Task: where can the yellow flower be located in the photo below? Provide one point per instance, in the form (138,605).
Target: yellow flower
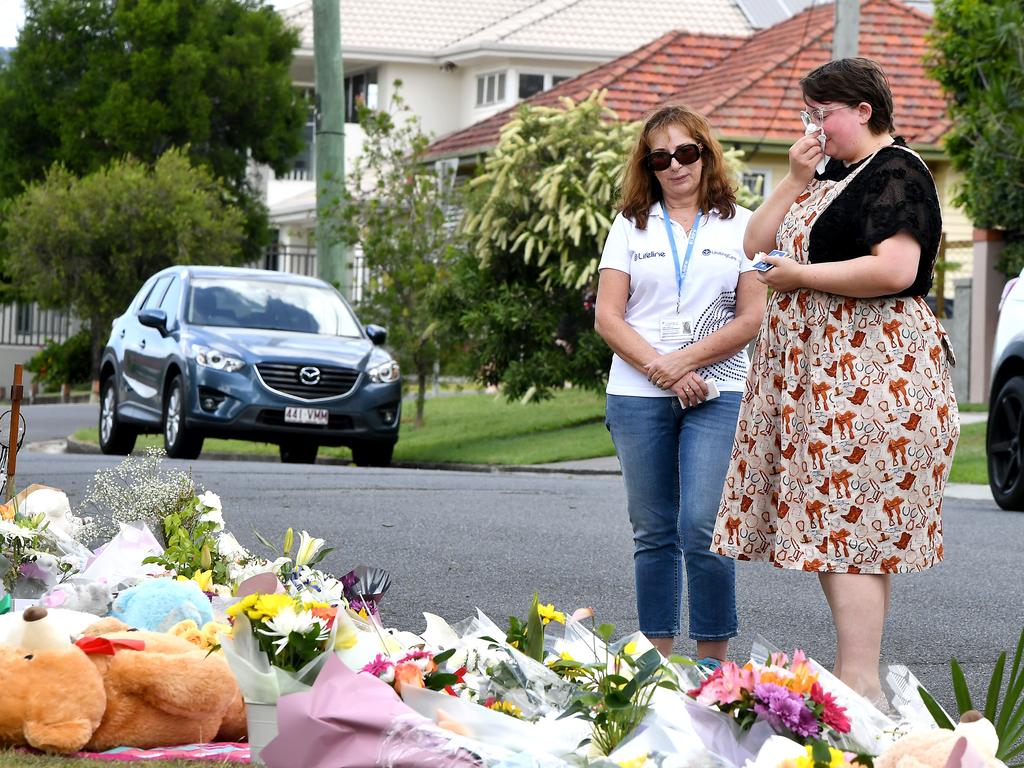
(636,762)
(506,708)
(347,635)
(259,607)
(837,759)
(566,656)
(187,629)
(242,606)
(203,578)
(549,614)
(211,630)
(630,648)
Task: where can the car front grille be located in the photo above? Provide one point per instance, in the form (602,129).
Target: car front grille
(285,378)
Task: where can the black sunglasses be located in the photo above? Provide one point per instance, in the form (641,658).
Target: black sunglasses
(685,154)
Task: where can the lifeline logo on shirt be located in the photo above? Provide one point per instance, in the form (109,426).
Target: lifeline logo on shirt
(648,255)
(723,254)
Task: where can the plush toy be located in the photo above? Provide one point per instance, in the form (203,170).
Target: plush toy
(87,596)
(159,604)
(941,747)
(61,622)
(122,688)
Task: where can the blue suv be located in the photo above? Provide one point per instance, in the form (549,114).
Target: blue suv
(248,354)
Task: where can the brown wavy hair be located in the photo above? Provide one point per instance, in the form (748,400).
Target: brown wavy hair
(640,187)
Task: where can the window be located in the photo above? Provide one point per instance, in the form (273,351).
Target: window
(169,304)
(529,85)
(490,89)
(757,181)
(360,90)
(157,294)
(532,83)
(303,163)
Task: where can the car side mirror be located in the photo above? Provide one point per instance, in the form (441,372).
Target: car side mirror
(378,334)
(154,318)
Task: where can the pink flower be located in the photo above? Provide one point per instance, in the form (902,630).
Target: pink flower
(726,685)
(381,667)
(779,659)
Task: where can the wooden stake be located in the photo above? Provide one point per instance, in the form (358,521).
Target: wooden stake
(17,392)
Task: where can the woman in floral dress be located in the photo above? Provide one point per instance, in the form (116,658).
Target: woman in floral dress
(848,423)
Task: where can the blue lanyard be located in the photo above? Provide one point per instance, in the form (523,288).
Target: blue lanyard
(681,273)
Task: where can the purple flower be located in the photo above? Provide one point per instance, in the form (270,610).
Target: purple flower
(785,710)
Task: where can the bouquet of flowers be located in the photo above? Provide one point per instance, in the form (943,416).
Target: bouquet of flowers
(278,644)
(784,693)
(417,669)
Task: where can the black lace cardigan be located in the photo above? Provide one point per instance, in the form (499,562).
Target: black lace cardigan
(894,193)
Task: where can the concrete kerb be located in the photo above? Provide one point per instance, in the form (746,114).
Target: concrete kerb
(605,465)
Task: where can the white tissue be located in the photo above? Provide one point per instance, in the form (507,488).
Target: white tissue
(811,128)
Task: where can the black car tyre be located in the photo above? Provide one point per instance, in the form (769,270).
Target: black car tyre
(298,453)
(179,441)
(372,454)
(1005,445)
(115,437)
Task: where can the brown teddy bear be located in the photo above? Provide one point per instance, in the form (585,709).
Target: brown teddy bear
(933,748)
(119,688)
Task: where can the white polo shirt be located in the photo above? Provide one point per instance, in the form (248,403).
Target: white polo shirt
(708,295)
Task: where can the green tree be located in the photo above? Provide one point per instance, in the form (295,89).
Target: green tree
(394,208)
(538,215)
(978,57)
(88,244)
(94,80)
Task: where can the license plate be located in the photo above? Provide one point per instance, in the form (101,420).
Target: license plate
(306,416)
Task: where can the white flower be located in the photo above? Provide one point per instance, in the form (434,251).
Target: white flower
(209,503)
(230,549)
(308,547)
(12,530)
(289,620)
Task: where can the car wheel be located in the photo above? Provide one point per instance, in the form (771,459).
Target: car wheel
(115,438)
(298,453)
(179,441)
(1006,445)
(372,454)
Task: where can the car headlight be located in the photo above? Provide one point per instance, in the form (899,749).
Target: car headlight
(214,358)
(384,373)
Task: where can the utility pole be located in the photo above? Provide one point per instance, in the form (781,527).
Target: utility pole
(847,29)
(331,259)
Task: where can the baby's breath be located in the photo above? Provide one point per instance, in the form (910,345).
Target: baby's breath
(137,489)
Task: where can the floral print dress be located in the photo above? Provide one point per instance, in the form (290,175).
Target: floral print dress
(847,427)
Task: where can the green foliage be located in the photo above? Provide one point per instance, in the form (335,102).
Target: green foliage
(64,362)
(191,544)
(88,244)
(537,216)
(394,207)
(978,57)
(616,692)
(94,80)
(1004,706)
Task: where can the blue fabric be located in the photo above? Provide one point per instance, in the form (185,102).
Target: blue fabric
(674,462)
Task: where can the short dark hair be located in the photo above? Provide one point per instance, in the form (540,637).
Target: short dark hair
(851,81)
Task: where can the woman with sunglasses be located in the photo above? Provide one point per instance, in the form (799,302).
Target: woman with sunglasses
(849,421)
(678,303)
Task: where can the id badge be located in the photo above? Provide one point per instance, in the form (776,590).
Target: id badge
(676,328)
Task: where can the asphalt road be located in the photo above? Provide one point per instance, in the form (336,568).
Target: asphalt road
(455,541)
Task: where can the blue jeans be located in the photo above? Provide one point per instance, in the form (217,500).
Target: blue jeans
(674,462)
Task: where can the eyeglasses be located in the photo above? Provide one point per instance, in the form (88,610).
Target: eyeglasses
(817,114)
(684,154)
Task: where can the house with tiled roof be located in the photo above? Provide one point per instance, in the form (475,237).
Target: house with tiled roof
(462,61)
(748,87)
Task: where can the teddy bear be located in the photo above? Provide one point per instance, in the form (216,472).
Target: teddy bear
(939,748)
(159,604)
(116,688)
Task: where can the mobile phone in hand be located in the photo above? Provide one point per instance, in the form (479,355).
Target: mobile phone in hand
(764,266)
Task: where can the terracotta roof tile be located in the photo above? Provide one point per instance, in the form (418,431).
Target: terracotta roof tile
(749,87)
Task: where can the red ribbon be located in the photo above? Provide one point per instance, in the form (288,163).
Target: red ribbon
(107,646)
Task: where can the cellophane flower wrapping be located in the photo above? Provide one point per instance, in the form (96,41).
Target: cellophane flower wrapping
(119,561)
(871,732)
(259,680)
(667,742)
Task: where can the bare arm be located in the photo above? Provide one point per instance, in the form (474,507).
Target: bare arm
(891,267)
(610,320)
(765,223)
(751,298)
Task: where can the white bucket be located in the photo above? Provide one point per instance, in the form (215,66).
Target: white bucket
(262,721)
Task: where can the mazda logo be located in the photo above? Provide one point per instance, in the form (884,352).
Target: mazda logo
(309,375)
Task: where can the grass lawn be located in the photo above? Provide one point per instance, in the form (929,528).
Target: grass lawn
(472,429)
(485,429)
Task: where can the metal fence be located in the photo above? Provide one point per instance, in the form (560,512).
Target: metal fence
(301,260)
(26,325)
